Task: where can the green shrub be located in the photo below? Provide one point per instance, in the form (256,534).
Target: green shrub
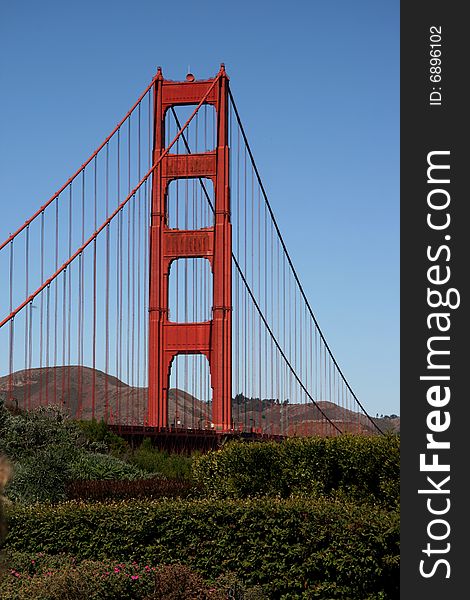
(45,476)
(360,468)
(40,478)
(48,450)
(41,445)
(323,548)
(98,432)
(25,434)
(232,587)
(92,466)
(152,460)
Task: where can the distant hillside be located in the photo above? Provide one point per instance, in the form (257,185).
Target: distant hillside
(308,419)
(78,389)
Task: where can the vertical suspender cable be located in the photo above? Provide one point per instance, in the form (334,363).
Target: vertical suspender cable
(41,307)
(30,353)
(138,258)
(95,224)
(64,336)
(56,298)
(106,320)
(48,289)
(26,328)
(11,332)
(128,280)
(69,302)
(117,409)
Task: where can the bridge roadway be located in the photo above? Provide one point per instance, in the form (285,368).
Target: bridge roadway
(182,440)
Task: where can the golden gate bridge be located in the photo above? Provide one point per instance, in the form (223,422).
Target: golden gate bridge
(154,289)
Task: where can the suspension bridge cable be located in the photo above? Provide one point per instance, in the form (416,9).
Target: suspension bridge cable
(84,165)
(290,261)
(255,303)
(287,361)
(78,322)
(116,211)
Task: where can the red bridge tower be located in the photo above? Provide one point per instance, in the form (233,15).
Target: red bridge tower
(212,338)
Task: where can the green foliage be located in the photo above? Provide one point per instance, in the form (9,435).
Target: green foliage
(94,466)
(152,460)
(44,477)
(48,450)
(232,587)
(40,478)
(359,468)
(23,435)
(294,548)
(41,444)
(98,432)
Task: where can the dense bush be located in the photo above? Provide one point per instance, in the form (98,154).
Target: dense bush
(98,432)
(48,450)
(293,548)
(44,477)
(364,469)
(41,445)
(146,457)
(152,460)
(23,435)
(97,466)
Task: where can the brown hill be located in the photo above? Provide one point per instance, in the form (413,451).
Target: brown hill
(85,392)
(308,419)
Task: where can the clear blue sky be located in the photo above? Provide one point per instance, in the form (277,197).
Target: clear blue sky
(317,86)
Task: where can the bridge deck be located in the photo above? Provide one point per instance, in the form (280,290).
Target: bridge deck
(186,440)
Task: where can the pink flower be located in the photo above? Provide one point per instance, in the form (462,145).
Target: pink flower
(134,577)
(117,570)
